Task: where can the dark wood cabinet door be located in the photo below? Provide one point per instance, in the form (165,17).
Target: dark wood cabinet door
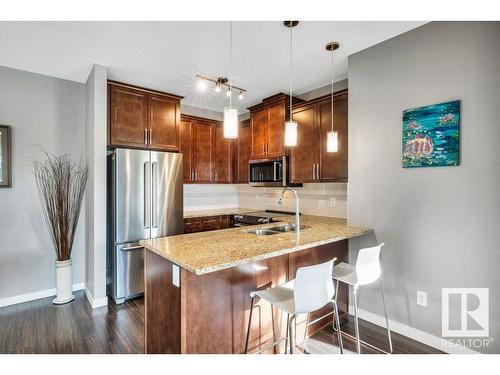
(128,117)
(221,156)
(333,166)
(164,117)
(304,156)
(259,133)
(185,147)
(276,129)
(243,150)
(202,151)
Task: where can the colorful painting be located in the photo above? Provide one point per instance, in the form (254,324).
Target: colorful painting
(431,135)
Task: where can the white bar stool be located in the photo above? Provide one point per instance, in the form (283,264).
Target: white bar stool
(311,289)
(366,271)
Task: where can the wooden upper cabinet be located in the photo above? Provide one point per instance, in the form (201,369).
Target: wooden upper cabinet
(164,118)
(202,133)
(268,126)
(304,156)
(259,133)
(128,117)
(185,147)
(333,165)
(141,118)
(276,129)
(309,160)
(243,148)
(222,156)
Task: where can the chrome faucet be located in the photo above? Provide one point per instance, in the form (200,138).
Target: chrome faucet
(297,203)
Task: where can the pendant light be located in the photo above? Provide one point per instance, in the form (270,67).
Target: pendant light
(230,123)
(332,137)
(290,125)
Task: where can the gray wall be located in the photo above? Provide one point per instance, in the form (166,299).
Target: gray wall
(440,225)
(48,112)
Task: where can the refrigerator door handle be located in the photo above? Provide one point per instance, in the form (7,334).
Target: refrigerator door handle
(154,197)
(146,217)
(130,248)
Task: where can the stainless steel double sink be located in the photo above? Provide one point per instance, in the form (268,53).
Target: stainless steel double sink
(274,230)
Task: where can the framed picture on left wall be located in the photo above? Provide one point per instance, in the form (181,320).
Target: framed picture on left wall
(5,152)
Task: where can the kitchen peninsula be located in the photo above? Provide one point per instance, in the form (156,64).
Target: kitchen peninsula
(197,285)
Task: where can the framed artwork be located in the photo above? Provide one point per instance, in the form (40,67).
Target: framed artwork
(5,162)
(431,135)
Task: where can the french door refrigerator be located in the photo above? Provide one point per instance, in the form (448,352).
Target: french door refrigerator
(145,200)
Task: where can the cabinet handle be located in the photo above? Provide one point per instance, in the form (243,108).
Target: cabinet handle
(150,136)
(145,136)
(318,172)
(314,172)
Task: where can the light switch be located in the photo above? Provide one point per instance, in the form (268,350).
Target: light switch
(176,280)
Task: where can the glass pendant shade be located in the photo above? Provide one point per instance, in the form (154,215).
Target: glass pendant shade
(230,123)
(332,141)
(290,133)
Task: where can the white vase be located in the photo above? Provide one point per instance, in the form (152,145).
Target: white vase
(63,282)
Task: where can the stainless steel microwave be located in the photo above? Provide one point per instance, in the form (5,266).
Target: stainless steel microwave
(268,172)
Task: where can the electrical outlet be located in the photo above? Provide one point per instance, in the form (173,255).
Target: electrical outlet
(333,202)
(421,298)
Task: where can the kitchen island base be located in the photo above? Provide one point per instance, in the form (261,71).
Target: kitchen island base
(188,313)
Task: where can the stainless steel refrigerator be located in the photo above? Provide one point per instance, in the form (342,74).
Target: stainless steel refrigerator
(145,200)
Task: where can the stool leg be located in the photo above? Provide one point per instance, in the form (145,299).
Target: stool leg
(305,332)
(339,333)
(290,333)
(386,317)
(249,324)
(287,326)
(356,326)
(336,298)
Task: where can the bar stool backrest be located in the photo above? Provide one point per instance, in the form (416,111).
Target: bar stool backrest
(368,265)
(313,287)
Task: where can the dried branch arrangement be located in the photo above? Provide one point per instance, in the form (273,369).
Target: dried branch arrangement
(61,183)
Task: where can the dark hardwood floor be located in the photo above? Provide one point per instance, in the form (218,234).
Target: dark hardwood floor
(41,327)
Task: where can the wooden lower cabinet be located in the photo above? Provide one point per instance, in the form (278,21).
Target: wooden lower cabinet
(209,313)
(204,224)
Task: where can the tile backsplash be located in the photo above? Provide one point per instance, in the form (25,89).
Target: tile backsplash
(323,199)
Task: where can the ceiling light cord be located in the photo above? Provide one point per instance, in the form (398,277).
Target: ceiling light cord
(291,71)
(230,61)
(332,92)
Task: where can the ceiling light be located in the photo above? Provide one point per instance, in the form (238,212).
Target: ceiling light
(201,84)
(230,128)
(241,96)
(332,137)
(217,88)
(290,125)
(230,120)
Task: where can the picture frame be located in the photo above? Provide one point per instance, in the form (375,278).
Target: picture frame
(431,135)
(5,157)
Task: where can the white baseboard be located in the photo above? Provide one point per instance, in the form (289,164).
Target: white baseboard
(95,303)
(412,333)
(14,300)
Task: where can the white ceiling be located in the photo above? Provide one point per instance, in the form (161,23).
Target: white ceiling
(167,55)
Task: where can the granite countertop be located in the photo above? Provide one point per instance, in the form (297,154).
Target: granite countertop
(217,212)
(212,251)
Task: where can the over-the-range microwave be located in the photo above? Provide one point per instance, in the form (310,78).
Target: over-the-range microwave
(269,172)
